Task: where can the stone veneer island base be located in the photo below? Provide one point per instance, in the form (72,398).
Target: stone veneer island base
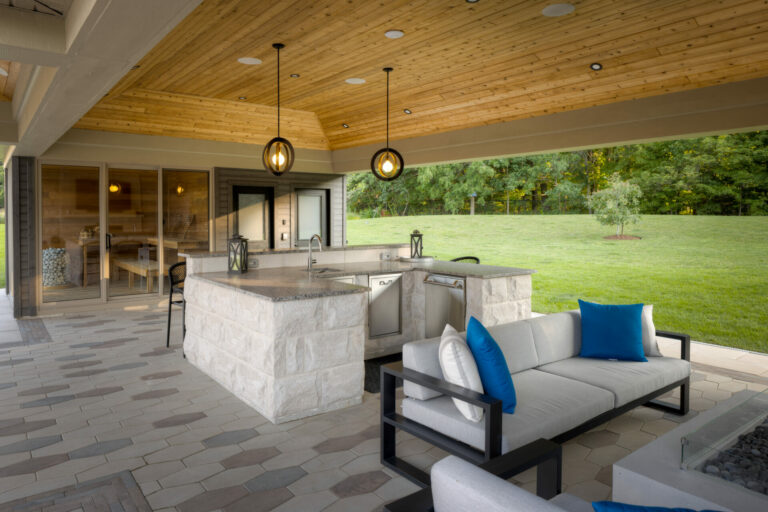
(287,356)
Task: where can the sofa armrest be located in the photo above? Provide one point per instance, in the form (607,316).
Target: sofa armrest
(685,342)
(391,373)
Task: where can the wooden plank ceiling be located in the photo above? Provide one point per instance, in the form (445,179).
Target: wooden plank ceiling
(459,65)
(8,79)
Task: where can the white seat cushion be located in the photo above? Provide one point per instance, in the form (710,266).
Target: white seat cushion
(627,380)
(547,405)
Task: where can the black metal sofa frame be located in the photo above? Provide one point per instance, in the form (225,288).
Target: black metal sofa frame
(393,374)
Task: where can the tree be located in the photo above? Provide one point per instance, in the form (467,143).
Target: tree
(617,205)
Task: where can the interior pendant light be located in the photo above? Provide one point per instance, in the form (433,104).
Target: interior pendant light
(278,153)
(387,164)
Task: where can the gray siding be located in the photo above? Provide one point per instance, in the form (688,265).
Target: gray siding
(285,202)
(22,241)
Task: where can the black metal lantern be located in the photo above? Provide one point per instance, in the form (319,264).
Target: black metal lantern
(278,154)
(387,163)
(237,254)
(416,244)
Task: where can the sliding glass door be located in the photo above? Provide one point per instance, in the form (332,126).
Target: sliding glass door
(132,243)
(70,245)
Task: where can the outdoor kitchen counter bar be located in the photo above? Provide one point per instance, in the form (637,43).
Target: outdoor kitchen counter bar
(291,344)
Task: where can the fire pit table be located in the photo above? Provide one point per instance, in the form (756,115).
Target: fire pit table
(717,460)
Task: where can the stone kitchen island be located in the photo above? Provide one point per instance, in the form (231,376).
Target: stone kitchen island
(292,343)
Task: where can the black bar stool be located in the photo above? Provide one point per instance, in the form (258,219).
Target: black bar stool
(176,275)
(470,259)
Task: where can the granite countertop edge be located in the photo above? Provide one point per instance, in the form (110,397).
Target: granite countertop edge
(294,280)
(291,250)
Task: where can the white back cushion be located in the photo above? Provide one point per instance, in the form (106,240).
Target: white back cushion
(516,343)
(422,356)
(556,336)
(650,345)
(459,367)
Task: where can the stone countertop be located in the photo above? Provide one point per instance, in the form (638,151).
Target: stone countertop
(258,252)
(295,283)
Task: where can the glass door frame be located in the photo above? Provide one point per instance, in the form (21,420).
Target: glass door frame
(104,221)
(54,307)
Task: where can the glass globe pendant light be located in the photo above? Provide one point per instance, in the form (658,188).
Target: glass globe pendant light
(278,154)
(387,164)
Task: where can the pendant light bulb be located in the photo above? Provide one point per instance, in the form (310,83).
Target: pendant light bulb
(387,164)
(278,154)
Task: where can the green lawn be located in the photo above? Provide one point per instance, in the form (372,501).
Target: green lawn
(706,276)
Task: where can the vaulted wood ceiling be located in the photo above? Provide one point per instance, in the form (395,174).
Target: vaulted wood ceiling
(8,79)
(459,65)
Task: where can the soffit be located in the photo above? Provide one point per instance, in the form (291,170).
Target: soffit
(460,65)
(8,79)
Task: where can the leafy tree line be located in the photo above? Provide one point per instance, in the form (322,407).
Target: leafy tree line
(717,175)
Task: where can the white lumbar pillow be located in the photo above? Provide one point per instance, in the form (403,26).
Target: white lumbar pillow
(650,346)
(459,367)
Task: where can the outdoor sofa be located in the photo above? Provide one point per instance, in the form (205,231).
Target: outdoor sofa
(559,394)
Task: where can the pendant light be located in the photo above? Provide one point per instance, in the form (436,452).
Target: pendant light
(278,153)
(387,164)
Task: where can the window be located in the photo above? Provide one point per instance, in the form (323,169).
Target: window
(312,215)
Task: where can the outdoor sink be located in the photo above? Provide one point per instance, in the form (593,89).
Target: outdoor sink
(323,270)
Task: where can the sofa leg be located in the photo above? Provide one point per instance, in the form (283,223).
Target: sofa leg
(549,477)
(684,405)
(685,398)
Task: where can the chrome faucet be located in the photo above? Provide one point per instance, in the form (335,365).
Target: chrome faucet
(319,244)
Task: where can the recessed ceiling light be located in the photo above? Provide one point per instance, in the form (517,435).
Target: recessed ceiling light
(555,10)
(355,81)
(249,61)
(472,1)
(241,98)
(345,125)
(3,72)
(394,34)
(595,66)
(295,75)
(407,111)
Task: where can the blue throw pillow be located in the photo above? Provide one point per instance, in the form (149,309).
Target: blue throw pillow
(612,506)
(612,332)
(491,365)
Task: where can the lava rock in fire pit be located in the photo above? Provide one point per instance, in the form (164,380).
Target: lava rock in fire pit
(746,462)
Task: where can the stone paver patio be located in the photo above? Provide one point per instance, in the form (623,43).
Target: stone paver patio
(93,408)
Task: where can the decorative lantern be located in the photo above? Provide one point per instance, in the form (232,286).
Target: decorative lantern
(237,252)
(416,244)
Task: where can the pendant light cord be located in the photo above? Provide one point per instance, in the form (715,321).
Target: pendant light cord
(387,108)
(278,92)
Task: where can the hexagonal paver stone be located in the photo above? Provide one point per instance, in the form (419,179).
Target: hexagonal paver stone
(99,391)
(43,390)
(51,400)
(160,375)
(157,393)
(126,366)
(261,501)
(179,419)
(29,444)
(337,444)
(231,437)
(84,373)
(275,479)
(99,448)
(23,427)
(250,457)
(213,500)
(598,438)
(360,484)
(14,362)
(79,364)
(33,465)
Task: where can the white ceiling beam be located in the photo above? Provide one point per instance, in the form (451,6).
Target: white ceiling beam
(734,107)
(105,39)
(31,37)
